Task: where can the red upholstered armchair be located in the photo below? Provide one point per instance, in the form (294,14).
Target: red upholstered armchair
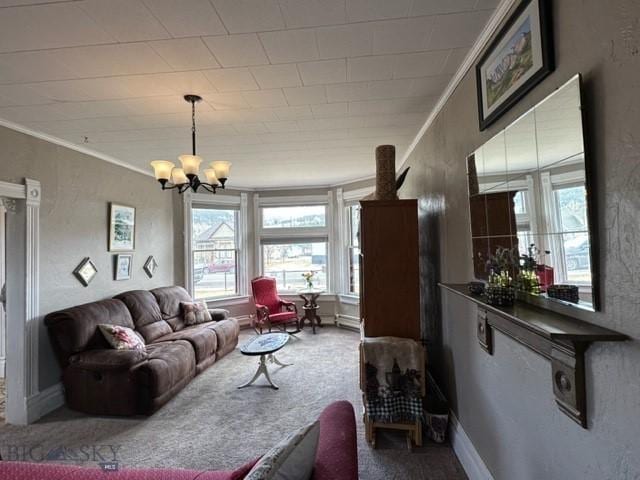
(271,310)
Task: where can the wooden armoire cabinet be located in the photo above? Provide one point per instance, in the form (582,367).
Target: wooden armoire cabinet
(389,269)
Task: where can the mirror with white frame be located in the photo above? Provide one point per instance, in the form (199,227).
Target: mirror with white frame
(529,193)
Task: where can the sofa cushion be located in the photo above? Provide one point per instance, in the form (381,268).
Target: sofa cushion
(167,364)
(293,457)
(145,313)
(202,338)
(103,360)
(195,312)
(122,338)
(227,332)
(75,329)
(169,299)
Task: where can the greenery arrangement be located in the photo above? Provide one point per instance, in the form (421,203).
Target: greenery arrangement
(509,271)
(308,276)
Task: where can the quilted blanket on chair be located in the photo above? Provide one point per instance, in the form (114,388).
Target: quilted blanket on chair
(393,379)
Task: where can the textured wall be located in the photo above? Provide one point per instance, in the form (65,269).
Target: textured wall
(76,191)
(505,401)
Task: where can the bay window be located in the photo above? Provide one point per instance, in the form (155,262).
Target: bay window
(293,238)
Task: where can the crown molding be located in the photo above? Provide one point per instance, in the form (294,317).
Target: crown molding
(72,146)
(487,33)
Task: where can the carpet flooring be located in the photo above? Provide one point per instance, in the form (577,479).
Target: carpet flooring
(213,425)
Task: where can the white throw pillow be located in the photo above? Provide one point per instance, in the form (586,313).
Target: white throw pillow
(291,459)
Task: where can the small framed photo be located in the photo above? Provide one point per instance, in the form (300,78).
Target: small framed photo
(123,263)
(122,228)
(518,59)
(85,271)
(150,266)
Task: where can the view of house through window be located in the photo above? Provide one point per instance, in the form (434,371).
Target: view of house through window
(288,261)
(215,252)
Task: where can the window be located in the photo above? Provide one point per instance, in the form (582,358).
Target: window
(353,249)
(288,261)
(571,208)
(294,217)
(294,239)
(215,252)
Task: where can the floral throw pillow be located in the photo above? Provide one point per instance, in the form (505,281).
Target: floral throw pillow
(122,338)
(195,312)
(293,457)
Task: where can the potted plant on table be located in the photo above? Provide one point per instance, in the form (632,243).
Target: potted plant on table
(308,276)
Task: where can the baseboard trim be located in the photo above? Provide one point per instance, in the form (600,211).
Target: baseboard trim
(44,402)
(466,452)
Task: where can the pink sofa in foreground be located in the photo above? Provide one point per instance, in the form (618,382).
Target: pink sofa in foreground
(336,459)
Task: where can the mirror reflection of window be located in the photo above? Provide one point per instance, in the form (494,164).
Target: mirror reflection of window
(538,162)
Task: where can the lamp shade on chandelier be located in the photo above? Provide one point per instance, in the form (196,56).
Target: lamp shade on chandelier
(186,177)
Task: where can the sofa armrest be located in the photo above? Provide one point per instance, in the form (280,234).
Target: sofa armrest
(337,453)
(218,314)
(107,359)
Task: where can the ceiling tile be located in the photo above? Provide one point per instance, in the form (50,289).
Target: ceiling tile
(29,113)
(419,64)
(330,110)
(277,76)
(241,16)
(295,112)
(290,45)
(237,50)
(355,91)
(457,30)
(250,128)
(455,59)
(396,105)
(429,86)
(284,126)
(487,4)
(110,60)
(306,95)
(226,101)
(435,7)
(312,13)
(341,41)
(323,72)
(138,23)
(265,98)
(177,83)
(187,18)
(185,53)
(231,79)
(48,26)
(32,66)
(399,36)
(366,10)
(379,67)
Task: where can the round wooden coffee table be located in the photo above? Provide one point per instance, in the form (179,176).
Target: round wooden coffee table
(265,345)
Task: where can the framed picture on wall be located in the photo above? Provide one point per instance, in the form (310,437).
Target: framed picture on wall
(123,264)
(517,60)
(122,228)
(85,271)
(150,266)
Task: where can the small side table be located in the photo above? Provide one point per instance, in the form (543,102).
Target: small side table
(310,307)
(265,346)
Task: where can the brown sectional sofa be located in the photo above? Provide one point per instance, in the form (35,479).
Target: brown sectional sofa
(103,381)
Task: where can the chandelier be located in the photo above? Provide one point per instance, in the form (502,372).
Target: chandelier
(187,177)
